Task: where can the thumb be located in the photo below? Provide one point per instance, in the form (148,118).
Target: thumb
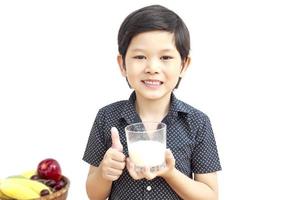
(170,160)
(116,144)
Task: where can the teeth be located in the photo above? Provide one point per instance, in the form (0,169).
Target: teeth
(152,82)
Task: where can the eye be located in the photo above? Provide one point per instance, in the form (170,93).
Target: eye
(166,57)
(139,57)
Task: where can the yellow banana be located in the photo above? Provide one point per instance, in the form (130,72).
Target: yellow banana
(28,174)
(34,185)
(3,196)
(17,191)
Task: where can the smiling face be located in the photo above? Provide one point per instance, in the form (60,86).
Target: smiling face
(153,65)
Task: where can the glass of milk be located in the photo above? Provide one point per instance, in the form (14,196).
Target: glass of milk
(146,142)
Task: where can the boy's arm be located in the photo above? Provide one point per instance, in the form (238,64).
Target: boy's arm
(97,187)
(99,180)
(204,187)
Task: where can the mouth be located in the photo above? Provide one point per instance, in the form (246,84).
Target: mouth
(152,83)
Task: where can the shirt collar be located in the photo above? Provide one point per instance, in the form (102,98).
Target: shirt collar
(178,106)
(131,116)
(129,113)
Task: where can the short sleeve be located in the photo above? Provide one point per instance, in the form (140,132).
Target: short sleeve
(96,145)
(205,158)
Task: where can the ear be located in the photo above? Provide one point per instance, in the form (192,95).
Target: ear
(122,67)
(185,65)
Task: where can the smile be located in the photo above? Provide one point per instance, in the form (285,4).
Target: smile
(152,83)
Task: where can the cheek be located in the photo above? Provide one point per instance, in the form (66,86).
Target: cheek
(173,77)
(133,69)
(173,71)
(132,74)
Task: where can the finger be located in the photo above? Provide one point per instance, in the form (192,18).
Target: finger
(148,174)
(111,177)
(117,156)
(114,154)
(131,170)
(114,172)
(116,144)
(170,160)
(110,174)
(117,165)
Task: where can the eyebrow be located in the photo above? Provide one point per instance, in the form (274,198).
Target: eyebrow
(163,50)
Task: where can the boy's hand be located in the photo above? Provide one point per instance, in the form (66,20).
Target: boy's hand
(146,173)
(113,162)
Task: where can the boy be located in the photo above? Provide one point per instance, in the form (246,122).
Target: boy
(153,56)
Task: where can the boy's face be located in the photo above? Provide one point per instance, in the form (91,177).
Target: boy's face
(152,64)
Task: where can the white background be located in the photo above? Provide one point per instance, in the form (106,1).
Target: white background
(58,67)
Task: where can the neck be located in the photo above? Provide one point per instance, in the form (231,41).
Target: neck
(152,110)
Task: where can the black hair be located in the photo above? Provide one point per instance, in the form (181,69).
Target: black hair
(151,18)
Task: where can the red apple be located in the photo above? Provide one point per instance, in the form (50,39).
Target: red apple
(49,169)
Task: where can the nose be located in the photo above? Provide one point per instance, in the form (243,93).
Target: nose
(153,66)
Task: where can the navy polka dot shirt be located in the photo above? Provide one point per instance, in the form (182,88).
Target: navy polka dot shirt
(189,137)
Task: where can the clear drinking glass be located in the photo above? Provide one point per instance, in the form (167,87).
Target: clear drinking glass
(146,142)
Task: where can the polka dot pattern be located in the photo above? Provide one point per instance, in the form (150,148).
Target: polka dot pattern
(189,137)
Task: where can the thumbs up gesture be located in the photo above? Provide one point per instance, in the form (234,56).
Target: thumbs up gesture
(113,162)
(116,144)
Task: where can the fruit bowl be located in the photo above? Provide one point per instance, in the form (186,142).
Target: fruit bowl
(60,194)
(44,183)
(57,195)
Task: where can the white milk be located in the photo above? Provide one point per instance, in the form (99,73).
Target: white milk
(147,153)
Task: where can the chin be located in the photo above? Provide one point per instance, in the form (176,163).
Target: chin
(154,95)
